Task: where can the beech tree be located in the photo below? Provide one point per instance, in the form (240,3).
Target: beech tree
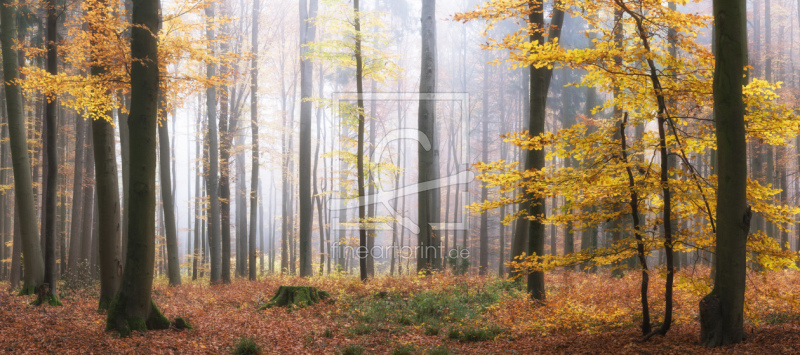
(132,308)
(722,311)
(33,275)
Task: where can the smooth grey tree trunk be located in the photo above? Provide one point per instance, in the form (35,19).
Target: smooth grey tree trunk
(225,141)
(88,200)
(254,179)
(51,160)
(132,308)
(307,35)
(483,267)
(168,205)
(214,221)
(23,181)
(722,311)
(429,205)
(108,202)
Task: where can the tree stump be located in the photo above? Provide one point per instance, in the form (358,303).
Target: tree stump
(296,297)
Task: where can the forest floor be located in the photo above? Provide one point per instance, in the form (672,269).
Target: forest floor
(441,314)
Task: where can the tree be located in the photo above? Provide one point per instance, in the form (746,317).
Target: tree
(307,34)
(722,311)
(254,180)
(77,194)
(132,309)
(360,177)
(23,182)
(540,83)
(168,204)
(212,183)
(105,159)
(428,201)
(51,161)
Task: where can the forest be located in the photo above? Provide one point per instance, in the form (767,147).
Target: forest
(399,176)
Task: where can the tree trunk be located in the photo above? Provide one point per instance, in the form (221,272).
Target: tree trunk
(212,186)
(722,311)
(534,159)
(483,268)
(429,204)
(254,180)
(307,35)
(360,176)
(132,308)
(168,205)
(88,201)
(51,160)
(108,202)
(23,181)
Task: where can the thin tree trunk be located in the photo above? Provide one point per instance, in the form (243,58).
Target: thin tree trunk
(429,205)
(483,268)
(362,232)
(254,180)
(88,201)
(168,204)
(214,220)
(534,160)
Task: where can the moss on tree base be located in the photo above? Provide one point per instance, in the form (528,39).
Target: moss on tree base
(295,297)
(123,324)
(27,290)
(180,324)
(44,296)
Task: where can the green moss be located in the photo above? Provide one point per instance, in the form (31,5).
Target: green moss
(352,349)
(404,350)
(181,323)
(474,333)
(27,290)
(246,346)
(117,321)
(50,299)
(295,296)
(156,320)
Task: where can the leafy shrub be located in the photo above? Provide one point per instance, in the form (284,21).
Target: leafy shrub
(474,333)
(458,265)
(432,330)
(80,280)
(439,350)
(247,346)
(352,349)
(407,349)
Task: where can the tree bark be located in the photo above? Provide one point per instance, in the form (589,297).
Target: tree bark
(214,221)
(108,202)
(429,204)
(132,308)
(722,311)
(254,179)
(307,35)
(534,159)
(483,267)
(23,181)
(362,212)
(168,205)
